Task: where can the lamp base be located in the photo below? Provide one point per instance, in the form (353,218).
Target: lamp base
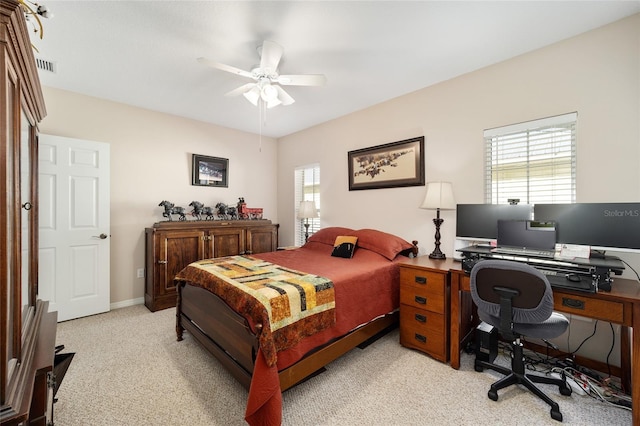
(437,254)
(306,230)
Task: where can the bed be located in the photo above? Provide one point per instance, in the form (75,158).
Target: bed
(358,300)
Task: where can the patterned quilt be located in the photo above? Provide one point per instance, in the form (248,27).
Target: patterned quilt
(289,305)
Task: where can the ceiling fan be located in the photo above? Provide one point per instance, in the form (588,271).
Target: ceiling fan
(267,82)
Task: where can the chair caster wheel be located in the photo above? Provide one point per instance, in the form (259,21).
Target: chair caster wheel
(494,395)
(565,390)
(556,415)
(478,368)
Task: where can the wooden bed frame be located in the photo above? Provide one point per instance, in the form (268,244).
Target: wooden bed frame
(228,336)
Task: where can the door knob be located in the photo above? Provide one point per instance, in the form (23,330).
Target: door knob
(101,236)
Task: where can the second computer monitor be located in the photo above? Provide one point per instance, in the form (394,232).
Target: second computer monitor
(529,234)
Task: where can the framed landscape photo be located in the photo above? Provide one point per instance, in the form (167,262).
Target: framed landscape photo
(390,165)
(210,171)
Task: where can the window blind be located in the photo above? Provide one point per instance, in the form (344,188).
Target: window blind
(534,162)
(307,188)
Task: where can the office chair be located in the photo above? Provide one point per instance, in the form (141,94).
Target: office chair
(518,300)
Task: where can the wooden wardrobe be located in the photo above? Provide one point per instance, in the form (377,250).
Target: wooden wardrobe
(28,330)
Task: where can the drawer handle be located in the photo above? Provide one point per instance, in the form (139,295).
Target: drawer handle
(421,300)
(421,280)
(162,262)
(421,318)
(572,303)
(421,338)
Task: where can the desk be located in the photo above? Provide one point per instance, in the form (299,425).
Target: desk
(620,306)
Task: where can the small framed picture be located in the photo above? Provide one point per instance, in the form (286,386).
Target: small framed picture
(390,165)
(210,171)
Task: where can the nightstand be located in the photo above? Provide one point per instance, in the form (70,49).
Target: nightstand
(424,305)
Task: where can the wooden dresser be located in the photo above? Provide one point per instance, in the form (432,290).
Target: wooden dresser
(424,306)
(170,246)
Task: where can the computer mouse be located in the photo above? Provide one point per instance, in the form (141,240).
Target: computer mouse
(573,277)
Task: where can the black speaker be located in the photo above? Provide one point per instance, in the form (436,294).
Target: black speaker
(486,342)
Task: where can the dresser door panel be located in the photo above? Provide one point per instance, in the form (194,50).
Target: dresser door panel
(176,250)
(228,242)
(262,239)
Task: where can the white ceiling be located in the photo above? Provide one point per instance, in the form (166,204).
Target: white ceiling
(143,53)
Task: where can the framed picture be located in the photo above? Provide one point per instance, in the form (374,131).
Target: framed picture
(210,171)
(387,166)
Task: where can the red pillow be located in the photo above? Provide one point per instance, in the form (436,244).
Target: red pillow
(329,235)
(387,245)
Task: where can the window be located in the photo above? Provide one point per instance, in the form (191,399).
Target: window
(533,161)
(307,188)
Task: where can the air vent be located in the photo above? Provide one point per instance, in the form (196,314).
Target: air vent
(45,65)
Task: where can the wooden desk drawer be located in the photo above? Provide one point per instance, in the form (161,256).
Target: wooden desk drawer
(606,310)
(421,298)
(424,338)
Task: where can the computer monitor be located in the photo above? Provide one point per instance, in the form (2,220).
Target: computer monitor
(614,226)
(528,234)
(480,221)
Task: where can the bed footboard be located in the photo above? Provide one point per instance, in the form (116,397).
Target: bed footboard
(228,337)
(219,329)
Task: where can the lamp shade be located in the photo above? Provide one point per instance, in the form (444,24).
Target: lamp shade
(307,210)
(439,196)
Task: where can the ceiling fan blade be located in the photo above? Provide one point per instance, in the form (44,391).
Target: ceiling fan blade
(284,96)
(241,90)
(302,80)
(224,67)
(270,56)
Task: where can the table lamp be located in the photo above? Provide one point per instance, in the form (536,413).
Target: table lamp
(307,210)
(439,197)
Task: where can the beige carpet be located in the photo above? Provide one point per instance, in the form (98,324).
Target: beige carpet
(130,370)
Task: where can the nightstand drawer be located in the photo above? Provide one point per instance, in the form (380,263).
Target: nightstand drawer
(421,298)
(424,281)
(425,340)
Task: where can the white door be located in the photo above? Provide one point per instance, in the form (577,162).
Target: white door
(73,273)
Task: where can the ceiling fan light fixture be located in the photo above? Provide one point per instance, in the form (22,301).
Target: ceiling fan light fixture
(253,95)
(274,102)
(269,93)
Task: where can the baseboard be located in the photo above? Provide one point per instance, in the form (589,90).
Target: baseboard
(126,303)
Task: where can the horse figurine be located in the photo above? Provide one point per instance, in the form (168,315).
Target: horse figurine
(208,213)
(170,209)
(226,212)
(200,210)
(197,209)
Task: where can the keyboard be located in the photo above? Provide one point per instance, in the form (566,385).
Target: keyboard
(559,279)
(524,252)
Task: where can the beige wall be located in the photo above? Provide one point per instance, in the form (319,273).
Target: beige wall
(596,74)
(150,162)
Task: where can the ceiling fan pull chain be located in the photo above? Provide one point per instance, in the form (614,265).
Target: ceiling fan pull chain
(261,107)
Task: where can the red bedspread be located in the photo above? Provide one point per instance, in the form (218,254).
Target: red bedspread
(366,287)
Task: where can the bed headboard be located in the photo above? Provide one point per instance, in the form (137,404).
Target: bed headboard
(413,251)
